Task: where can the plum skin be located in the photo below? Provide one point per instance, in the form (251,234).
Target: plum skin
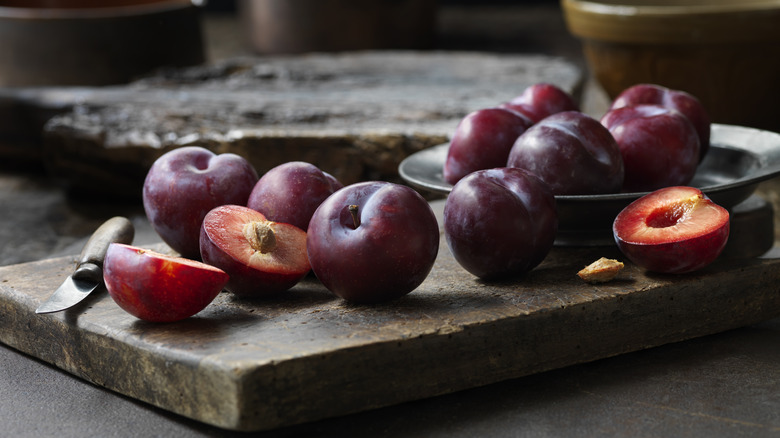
(664,250)
(159,288)
(571,152)
(249,280)
(659,145)
(290,192)
(500,223)
(390,252)
(186,183)
(482,140)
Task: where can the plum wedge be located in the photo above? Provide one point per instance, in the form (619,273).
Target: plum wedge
(158,287)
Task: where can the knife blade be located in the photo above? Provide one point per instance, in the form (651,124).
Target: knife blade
(88,274)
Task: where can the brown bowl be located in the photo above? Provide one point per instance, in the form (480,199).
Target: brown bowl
(298,26)
(725,52)
(85,42)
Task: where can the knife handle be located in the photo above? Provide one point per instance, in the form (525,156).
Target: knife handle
(118,229)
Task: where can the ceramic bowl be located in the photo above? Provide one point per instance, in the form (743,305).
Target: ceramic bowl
(725,52)
(92,42)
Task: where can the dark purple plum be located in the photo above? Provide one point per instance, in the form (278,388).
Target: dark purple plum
(186,183)
(678,100)
(571,152)
(659,145)
(482,140)
(373,241)
(290,192)
(500,222)
(541,100)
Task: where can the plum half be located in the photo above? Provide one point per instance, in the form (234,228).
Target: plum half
(673,230)
(262,257)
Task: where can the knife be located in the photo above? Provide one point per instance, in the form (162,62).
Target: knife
(88,274)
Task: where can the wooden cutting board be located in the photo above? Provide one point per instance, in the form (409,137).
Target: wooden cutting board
(257,365)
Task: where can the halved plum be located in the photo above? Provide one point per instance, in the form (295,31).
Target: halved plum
(262,257)
(672,230)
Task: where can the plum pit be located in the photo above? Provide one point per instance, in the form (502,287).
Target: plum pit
(261,236)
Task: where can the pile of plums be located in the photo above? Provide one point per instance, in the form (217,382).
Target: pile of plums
(256,237)
(507,163)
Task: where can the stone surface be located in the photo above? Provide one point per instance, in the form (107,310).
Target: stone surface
(356,115)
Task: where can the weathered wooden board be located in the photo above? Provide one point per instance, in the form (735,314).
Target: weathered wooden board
(356,115)
(256,365)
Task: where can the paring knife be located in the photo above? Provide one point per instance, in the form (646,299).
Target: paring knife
(89,270)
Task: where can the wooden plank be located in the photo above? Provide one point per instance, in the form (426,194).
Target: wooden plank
(257,365)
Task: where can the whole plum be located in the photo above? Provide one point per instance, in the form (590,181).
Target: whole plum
(500,222)
(541,100)
(373,241)
(290,192)
(678,100)
(571,152)
(186,183)
(482,140)
(659,145)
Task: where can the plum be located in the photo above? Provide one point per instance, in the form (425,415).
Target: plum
(290,192)
(500,222)
(673,230)
(541,100)
(186,183)
(678,100)
(482,140)
(659,145)
(262,257)
(373,241)
(157,287)
(571,152)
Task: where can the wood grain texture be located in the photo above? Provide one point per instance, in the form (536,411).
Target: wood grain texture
(257,365)
(355,114)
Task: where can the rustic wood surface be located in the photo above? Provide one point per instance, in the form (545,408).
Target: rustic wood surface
(309,355)
(356,115)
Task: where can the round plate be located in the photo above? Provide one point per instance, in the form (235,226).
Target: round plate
(738,159)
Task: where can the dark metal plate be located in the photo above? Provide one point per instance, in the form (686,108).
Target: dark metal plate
(738,159)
